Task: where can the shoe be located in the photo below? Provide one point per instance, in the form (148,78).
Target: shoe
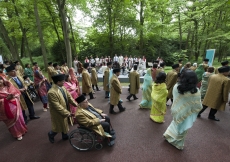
(92,98)
(112,132)
(19,138)
(128,98)
(66,138)
(51,139)
(198,115)
(111,143)
(113,112)
(44,109)
(213,118)
(107,97)
(98,90)
(135,98)
(121,110)
(34,117)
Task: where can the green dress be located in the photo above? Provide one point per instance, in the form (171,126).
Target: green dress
(204,84)
(159,95)
(29,73)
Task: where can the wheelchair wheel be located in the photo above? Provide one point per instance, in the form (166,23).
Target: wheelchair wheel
(82,139)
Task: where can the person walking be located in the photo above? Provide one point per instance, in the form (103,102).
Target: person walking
(134,80)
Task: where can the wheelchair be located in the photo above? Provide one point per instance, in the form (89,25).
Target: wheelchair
(84,139)
(32,92)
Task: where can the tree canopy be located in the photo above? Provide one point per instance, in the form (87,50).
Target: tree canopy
(170,29)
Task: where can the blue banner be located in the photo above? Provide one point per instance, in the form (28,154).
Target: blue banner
(210,53)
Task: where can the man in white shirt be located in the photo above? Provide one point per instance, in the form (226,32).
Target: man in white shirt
(130,62)
(121,60)
(97,61)
(115,59)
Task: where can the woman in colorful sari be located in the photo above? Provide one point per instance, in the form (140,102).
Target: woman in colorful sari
(74,79)
(42,85)
(159,95)
(147,90)
(186,105)
(204,82)
(72,89)
(10,109)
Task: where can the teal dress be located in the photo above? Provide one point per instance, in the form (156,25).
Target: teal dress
(204,84)
(184,111)
(29,73)
(146,101)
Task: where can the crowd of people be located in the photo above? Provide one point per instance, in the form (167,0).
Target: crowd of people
(190,88)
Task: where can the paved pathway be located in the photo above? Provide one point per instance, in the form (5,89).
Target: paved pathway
(138,139)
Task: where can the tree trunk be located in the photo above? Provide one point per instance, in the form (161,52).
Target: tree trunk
(109,10)
(62,12)
(141,27)
(55,26)
(7,40)
(180,30)
(73,38)
(40,34)
(28,48)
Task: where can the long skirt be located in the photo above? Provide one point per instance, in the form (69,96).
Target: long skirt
(146,101)
(174,137)
(157,115)
(19,128)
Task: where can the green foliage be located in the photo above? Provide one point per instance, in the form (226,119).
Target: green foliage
(58,51)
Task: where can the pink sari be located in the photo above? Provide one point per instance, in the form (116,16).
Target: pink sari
(74,80)
(71,88)
(42,87)
(11,112)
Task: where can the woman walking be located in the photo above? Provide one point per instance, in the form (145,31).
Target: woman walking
(147,90)
(159,95)
(186,106)
(10,109)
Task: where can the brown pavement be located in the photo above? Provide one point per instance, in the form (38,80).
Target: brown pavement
(138,139)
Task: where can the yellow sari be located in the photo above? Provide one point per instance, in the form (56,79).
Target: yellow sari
(159,95)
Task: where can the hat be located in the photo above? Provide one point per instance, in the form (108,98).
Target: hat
(223,69)
(55,64)
(10,68)
(86,65)
(162,64)
(175,66)
(116,70)
(206,59)
(35,63)
(80,99)
(58,77)
(49,63)
(224,63)
(109,63)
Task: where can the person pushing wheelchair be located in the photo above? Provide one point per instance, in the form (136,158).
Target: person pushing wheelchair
(94,119)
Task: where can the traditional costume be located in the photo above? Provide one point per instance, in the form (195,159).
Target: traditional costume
(146,91)
(184,110)
(159,95)
(11,111)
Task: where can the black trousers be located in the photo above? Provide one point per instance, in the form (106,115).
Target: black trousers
(211,113)
(30,107)
(106,124)
(53,134)
(90,95)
